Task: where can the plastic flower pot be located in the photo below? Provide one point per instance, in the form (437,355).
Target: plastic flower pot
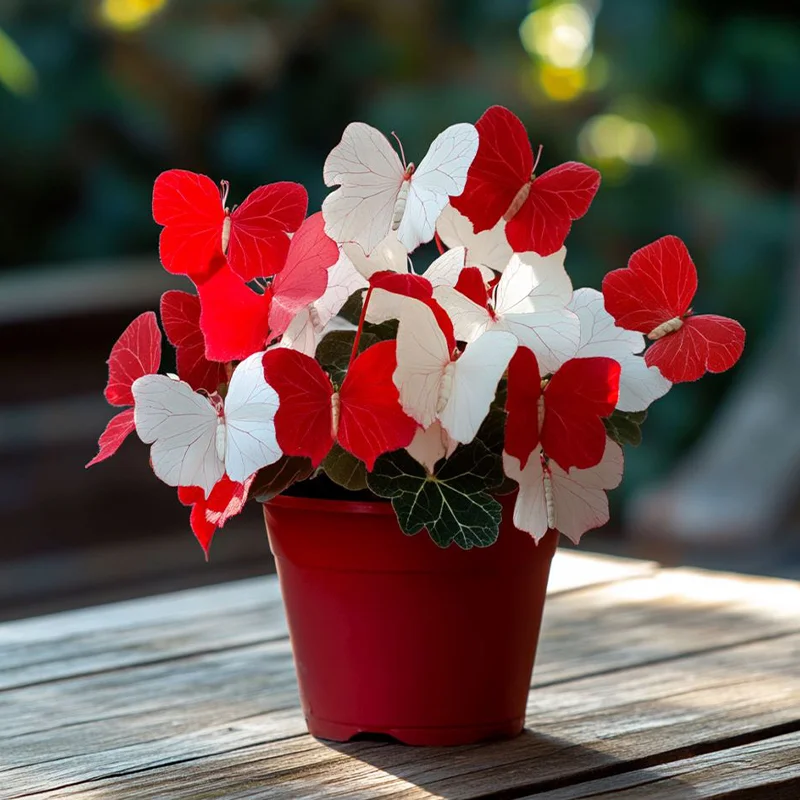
(393,635)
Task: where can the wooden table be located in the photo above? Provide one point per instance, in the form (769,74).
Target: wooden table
(650,683)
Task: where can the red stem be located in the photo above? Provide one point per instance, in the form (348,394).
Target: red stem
(439,243)
(361,321)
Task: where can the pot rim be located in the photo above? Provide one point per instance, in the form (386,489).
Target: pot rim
(375,507)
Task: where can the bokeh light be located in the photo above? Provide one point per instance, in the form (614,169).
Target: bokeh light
(559,34)
(16,72)
(562,83)
(129,15)
(610,137)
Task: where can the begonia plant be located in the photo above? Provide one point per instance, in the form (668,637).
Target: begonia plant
(316,345)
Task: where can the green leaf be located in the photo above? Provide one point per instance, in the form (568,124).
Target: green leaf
(272,480)
(625,427)
(492,430)
(351,310)
(453,504)
(333,352)
(345,469)
(384,332)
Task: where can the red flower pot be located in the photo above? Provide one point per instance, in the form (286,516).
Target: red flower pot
(394,635)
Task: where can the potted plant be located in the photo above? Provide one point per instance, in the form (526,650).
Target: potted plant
(418,437)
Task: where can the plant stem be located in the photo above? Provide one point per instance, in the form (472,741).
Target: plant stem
(361,321)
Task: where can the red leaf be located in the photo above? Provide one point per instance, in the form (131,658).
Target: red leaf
(137,352)
(503,164)
(501,183)
(304,278)
(303,421)
(190,207)
(658,287)
(372,421)
(259,226)
(576,398)
(522,399)
(471,284)
(180,316)
(658,284)
(558,197)
(117,430)
(704,343)
(234,319)
(404,283)
(225,500)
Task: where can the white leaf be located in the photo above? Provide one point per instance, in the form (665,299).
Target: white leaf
(389,254)
(422,357)
(182,427)
(579,496)
(250,407)
(639,385)
(475,376)
(489,249)
(343,280)
(193,444)
(440,175)
(369,174)
(529,301)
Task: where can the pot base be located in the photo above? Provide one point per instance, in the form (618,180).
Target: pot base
(427,737)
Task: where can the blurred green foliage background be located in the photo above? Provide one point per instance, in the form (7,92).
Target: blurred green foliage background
(691,111)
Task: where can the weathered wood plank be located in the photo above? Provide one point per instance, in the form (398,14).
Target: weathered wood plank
(668,615)
(173,626)
(583,729)
(768,769)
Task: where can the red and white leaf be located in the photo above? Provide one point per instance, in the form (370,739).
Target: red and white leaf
(226,500)
(180,316)
(137,352)
(639,384)
(578,497)
(529,301)
(119,427)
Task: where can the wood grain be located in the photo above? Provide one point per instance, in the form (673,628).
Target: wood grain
(649,683)
(140,632)
(768,769)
